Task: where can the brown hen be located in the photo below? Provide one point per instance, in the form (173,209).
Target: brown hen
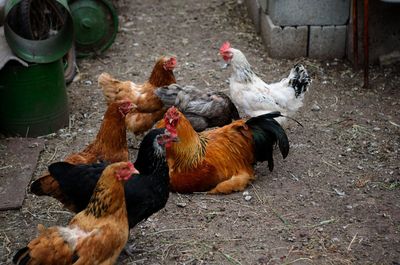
(96,235)
(110,145)
(149,107)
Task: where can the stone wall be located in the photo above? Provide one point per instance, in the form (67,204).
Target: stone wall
(300,28)
(323,28)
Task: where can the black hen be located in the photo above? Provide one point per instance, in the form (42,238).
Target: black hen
(145,193)
(203,108)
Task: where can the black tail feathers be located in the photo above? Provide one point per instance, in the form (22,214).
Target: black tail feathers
(299,79)
(267,132)
(22,256)
(36,188)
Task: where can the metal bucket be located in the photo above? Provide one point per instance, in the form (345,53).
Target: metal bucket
(33,100)
(43,50)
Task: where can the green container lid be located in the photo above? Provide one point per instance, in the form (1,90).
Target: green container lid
(95,25)
(40,51)
(33,99)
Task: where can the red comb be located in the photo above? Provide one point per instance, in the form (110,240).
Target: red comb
(225,46)
(172,113)
(172,61)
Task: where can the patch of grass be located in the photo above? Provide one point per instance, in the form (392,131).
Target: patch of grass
(393,185)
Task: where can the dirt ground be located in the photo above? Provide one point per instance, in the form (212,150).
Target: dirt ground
(334,200)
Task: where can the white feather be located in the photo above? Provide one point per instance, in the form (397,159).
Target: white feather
(72,234)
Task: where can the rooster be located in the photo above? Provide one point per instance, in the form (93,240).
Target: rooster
(221,160)
(95,235)
(254,97)
(145,193)
(110,145)
(203,108)
(149,107)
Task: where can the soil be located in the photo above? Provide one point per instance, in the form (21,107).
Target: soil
(334,200)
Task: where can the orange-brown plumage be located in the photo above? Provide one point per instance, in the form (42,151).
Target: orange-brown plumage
(94,236)
(149,106)
(110,145)
(219,160)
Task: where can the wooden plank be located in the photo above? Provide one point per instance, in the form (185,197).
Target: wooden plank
(18,159)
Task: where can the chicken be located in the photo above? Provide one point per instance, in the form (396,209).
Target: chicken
(110,145)
(221,160)
(145,193)
(254,97)
(95,235)
(149,107)
(203,108)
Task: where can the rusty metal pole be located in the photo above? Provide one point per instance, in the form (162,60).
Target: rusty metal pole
(366,48)
(355,34)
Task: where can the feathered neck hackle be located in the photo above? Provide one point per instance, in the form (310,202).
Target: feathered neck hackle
(112,135)
(108,196)
(242,71)
(191,146)
(161,77)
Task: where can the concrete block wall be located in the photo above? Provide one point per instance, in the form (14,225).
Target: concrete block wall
(287,42)
(309,12)
(300,28)
(327,42)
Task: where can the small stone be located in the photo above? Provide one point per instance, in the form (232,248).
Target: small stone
(181,204)
(315,107)
(245,193)
(248,198)
(129,24)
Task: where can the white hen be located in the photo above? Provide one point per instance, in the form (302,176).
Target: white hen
(254,97)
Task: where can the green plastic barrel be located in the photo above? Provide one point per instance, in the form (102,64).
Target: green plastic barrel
(33,100)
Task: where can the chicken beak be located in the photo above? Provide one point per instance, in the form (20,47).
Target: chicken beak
(224,65)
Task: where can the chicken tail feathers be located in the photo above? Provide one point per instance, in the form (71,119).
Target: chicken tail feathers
(45,185)
(76,183)
(267,132)
(22,256)
(49,185)
(299,79)
(233,111)
(112,88)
